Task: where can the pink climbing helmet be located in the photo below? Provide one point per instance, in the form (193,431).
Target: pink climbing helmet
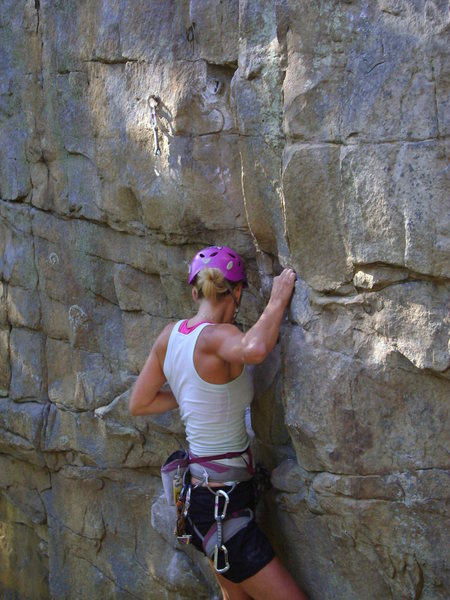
(229,263)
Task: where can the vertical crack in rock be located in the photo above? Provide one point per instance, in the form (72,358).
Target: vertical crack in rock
(435,99)
(283,212)
(44,368)
(282,22)
(37,6)
(247,216)
(7,326)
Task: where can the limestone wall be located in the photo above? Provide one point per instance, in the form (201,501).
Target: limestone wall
(311,134)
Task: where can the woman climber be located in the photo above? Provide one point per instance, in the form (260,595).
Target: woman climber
(204,360)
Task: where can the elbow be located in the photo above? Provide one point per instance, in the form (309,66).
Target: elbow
(132,406)
(256,353)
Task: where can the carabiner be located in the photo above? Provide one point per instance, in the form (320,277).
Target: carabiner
(187,500)
(216,505)
(225,557)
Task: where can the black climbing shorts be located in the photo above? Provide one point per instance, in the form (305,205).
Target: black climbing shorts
(248,550)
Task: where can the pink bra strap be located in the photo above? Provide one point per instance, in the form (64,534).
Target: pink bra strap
(183,328)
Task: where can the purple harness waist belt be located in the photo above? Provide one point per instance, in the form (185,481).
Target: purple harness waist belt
(213,468)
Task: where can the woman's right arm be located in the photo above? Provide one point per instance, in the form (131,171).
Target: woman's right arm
(147,397)
(255,345)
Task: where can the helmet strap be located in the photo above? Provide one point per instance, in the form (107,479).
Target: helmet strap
(236,303)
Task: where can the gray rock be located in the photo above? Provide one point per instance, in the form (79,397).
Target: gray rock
(17,265)
(26,353)
(303,134)
(21,427)
(5,365)
(23,307)
(163,519)
(3,310)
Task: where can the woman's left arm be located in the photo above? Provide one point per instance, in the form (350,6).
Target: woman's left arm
(147,397)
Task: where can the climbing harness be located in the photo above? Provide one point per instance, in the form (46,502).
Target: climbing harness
(225,525)
(153,102)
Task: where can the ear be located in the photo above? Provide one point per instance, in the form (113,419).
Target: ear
(194,294)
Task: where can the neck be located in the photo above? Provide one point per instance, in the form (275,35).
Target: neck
(213,313)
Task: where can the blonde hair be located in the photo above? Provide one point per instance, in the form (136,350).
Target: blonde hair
(211,284)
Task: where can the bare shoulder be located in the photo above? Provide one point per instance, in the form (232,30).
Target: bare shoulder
(160,345)
(216,335)
(165,333)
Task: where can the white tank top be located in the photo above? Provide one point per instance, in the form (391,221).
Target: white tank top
(213,414)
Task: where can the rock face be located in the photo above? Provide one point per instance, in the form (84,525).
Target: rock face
(311,134)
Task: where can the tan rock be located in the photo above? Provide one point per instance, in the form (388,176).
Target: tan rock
(390,222)
(415,321)
(22,543)
(315,227)
(372,278)
(215,31)
(136,291)
(303,134)
(358,77)
(22,485)
(347,407)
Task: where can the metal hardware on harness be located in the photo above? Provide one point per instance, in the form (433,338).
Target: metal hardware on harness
(219,547)
(184,539)
(225,558)
(187,500)
(231,526)
(153,104)
(182,509)
(216,504)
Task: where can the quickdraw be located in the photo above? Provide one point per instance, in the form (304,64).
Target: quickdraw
(153,102)
(220,547)
(222,530)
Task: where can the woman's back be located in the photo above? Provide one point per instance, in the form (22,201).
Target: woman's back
(213,414)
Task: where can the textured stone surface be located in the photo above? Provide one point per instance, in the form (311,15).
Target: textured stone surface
(311,134)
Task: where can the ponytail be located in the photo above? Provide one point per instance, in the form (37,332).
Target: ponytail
(211,284)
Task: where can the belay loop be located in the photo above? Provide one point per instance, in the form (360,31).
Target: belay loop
(153,102)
